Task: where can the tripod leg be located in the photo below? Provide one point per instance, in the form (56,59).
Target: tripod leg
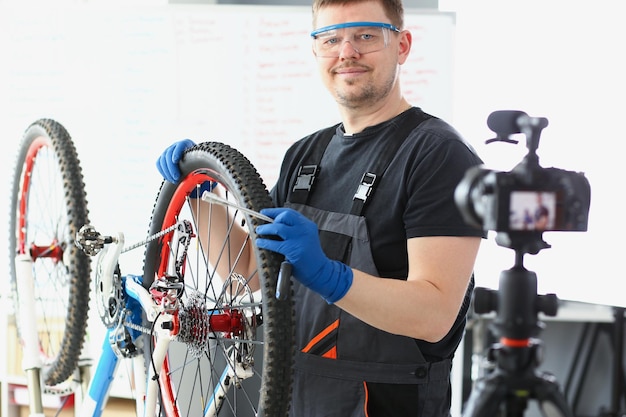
(618,370)
(552,402)
(485,399)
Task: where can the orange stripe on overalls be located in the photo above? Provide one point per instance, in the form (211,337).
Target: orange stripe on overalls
(320,336)
(331,354)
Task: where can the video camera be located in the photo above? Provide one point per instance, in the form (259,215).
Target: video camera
(529,199)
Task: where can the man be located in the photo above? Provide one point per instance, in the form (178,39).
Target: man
(542,214)
(365,214)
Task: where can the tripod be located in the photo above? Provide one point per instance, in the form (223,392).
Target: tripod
(514,381)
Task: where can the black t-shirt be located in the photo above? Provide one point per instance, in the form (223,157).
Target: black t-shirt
(414,197)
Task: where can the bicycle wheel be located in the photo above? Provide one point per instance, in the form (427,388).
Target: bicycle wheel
(248,361)
(48,206)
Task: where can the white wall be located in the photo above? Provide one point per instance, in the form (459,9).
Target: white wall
(563,60)
(127,82)
(559,59)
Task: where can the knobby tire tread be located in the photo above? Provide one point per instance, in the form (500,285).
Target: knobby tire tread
(78,264)
(234,171)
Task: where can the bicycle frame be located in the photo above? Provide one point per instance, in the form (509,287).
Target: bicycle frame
(232,329)
(160,305)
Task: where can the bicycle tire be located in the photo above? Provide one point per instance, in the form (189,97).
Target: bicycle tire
(234,173)
(48,206)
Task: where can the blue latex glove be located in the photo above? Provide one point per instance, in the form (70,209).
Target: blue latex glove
(301,247)
(167,164)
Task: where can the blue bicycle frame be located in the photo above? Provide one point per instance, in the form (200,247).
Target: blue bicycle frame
(125,341)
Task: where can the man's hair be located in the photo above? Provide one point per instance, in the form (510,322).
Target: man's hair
(393,9)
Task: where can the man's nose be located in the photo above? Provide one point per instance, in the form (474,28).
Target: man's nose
(347,50)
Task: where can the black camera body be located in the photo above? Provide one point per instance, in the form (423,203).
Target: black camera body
(529,199)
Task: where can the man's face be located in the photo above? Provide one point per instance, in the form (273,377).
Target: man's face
(357,80)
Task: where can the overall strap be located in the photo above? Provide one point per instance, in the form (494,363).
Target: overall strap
(310,167)
(336,245)
(370,178)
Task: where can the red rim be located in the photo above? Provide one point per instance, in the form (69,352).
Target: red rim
(177,201)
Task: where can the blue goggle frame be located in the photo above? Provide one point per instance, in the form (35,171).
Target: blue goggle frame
(353,24)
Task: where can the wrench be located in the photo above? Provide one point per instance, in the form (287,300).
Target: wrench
(284,274)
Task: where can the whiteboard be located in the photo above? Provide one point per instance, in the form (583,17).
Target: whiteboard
(127,82)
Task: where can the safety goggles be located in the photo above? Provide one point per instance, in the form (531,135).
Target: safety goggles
(364,37)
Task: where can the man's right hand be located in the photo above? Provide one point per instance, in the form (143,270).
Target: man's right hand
(300,244)
(167,164)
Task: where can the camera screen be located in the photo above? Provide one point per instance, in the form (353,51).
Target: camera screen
(532,210)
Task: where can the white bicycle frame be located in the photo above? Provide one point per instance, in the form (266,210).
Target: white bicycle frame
(146,387)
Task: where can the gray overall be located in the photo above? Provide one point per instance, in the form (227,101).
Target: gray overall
(338,354)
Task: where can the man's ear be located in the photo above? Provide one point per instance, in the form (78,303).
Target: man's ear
(406,40)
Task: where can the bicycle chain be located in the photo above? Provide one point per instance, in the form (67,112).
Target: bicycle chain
(138,327)
(91,242)
(150,238)
(60,390)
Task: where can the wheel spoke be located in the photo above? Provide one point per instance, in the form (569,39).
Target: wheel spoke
(234,338)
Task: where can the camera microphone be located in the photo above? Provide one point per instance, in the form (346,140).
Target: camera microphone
(505,122)
(508,202)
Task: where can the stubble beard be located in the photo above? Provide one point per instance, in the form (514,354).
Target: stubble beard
(367,95)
